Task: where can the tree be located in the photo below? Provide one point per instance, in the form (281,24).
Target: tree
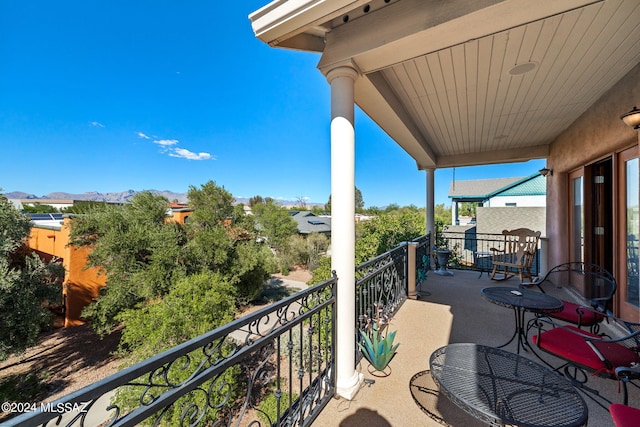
(468,208)
(359,201)
(194,306)
(275,223)
(383,233)
(82,207)
(302,202)
(441,214)
(140,253)
(308,250)
(27,285)
(211,204)
(40,208)
(223,239)
(144,256)
(379,235)
(258,200)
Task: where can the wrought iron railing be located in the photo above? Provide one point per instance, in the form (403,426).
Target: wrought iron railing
(286,350)
(423,257)
(472,251)
(220,378)
(381,284)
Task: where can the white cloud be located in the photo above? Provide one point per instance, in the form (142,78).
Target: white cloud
(166,142)
(186,154)
(97,124)
(168,147)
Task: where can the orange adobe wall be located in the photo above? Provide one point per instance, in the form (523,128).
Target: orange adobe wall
(81,286)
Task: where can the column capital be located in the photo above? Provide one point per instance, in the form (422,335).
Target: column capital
(346,69)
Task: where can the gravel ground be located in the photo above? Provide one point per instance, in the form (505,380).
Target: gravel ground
(66,359)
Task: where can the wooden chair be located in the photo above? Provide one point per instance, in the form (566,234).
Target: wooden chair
(599,285)
(516,254)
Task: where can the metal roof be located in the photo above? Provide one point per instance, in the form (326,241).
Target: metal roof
(478,188)
(483,189)
(535,185)
(308,222)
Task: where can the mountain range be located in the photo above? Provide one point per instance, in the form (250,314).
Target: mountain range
(94,196)
(121,197)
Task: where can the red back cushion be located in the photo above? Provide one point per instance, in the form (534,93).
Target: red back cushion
(572,347)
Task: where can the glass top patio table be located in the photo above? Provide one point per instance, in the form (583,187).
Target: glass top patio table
(502,388)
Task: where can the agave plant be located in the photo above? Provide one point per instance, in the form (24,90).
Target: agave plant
(377,345)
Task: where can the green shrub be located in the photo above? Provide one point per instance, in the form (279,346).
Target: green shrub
(195,305)
(268,409)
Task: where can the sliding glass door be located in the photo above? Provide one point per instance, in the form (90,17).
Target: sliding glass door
(628,234)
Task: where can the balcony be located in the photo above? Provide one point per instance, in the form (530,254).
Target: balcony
(287,350)
(450,311)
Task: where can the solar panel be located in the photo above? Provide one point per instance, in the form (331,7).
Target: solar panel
(45,217)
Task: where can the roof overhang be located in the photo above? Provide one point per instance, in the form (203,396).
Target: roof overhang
(459,83)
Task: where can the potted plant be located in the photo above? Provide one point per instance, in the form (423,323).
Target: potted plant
(377,342)
(442,252)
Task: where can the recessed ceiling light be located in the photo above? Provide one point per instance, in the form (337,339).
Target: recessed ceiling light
(523,68)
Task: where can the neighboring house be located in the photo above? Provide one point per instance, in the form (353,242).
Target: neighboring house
(497,197)
(308,222)
(528,191)
(81,285)
(56,203)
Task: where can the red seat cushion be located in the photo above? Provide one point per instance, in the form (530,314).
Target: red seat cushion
(572,347)
(624,416)
(576,314)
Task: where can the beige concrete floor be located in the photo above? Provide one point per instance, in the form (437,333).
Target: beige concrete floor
(451,310)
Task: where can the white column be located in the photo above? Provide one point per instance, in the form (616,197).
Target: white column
(431,224)
(454,212)
(343,234)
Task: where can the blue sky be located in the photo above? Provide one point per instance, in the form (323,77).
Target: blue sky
(164,94)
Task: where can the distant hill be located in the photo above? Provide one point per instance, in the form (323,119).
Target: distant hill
(122,197)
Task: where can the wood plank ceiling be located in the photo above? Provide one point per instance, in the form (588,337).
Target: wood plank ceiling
(461,82)
(517,88)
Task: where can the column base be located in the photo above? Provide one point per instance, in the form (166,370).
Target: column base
(350,388)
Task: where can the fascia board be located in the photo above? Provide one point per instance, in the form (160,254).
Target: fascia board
(283,19)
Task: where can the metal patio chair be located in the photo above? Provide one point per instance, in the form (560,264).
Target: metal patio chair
(600,286)
(584,353)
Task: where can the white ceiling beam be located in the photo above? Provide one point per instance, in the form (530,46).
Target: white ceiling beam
(376,106)
(494,157)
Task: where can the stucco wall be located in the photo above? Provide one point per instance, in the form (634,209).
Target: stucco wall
(598,133)
(81,284)
(520,201)
(494,220)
